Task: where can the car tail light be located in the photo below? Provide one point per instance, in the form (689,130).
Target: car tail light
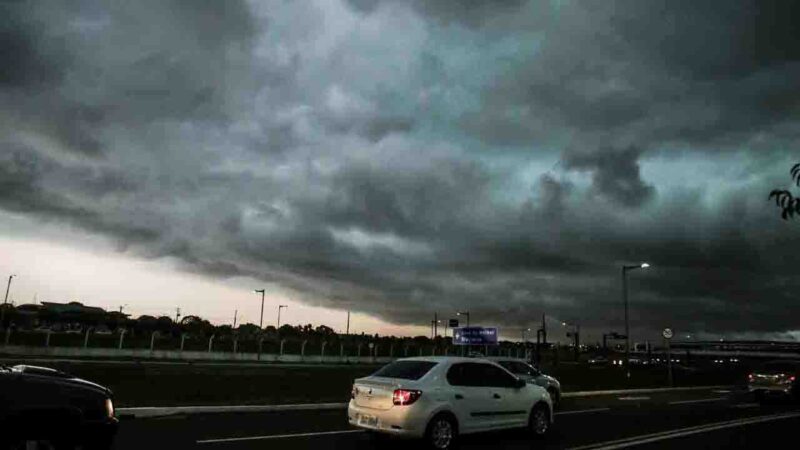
(405,396)
(791,378)
(750,377)
(108,405)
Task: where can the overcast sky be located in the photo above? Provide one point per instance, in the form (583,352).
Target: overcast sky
(403,157)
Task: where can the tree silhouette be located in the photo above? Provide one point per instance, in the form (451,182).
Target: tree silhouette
(789,204)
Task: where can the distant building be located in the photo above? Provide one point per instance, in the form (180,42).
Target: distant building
(66,316)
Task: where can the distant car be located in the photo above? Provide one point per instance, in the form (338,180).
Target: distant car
(531,374)
(42,405)
(440,398)
(598,361)
(776,378)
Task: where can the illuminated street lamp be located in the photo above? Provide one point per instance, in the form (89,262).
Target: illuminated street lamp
(576,336)
(464,313)
(625,270)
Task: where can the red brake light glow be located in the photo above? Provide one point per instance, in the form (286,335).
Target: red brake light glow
(405,396)
(791,378)
(750,376)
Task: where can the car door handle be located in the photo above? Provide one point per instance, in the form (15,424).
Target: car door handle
(496,396)
(459,397)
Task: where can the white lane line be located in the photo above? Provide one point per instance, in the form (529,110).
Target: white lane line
(702,400)
(643,397)
(276,436)
(582,411)
(682,432)
(746,405)
(721,391)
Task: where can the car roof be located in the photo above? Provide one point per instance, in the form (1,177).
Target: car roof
(505,358)
(438,358)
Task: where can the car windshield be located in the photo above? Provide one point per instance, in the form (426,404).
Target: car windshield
(519,368)
(406,370)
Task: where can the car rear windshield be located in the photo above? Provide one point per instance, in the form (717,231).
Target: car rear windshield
(407,370)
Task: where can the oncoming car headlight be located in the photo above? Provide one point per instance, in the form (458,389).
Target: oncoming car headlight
(109,408)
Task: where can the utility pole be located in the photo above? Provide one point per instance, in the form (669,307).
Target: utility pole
(177,314)
(435,325)
(348,323)
(544,331)
(235,313)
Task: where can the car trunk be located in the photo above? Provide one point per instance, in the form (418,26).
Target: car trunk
(771,379)
(376,393)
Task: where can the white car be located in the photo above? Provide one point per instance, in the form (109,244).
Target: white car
(440,398)
(527,372)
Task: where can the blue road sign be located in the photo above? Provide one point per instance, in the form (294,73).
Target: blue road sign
(474,336)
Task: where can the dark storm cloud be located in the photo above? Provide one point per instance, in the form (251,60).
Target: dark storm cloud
(22,190)
(306,145)
(615,174)
(469,12)
(651,72)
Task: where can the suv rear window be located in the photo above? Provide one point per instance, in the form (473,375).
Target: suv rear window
(407,370)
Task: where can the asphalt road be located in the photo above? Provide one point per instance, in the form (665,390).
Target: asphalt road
(686,420)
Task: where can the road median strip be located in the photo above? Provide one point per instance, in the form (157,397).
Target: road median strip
(162,411)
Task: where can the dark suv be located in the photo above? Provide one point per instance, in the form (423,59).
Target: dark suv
(53,409)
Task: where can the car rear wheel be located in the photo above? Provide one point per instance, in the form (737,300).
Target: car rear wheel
(539,422)
(442,432)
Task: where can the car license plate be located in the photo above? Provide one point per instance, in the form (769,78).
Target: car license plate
(369,421)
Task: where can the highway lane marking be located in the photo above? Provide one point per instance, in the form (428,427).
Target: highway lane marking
(682,432)
(582,411)
(276,436)
(721,391)
(702,400)
(323,433)
(643,397)
(746,405)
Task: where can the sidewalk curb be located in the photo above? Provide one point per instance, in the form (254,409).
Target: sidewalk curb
(158,411)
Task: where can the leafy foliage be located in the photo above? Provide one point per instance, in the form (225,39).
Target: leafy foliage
(789,204)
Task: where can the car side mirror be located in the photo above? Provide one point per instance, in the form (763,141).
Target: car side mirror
(519,383)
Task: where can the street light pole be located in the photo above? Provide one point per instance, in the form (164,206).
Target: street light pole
(279,314)
(625,270)
(261,321)
(464,313)
(5,301)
